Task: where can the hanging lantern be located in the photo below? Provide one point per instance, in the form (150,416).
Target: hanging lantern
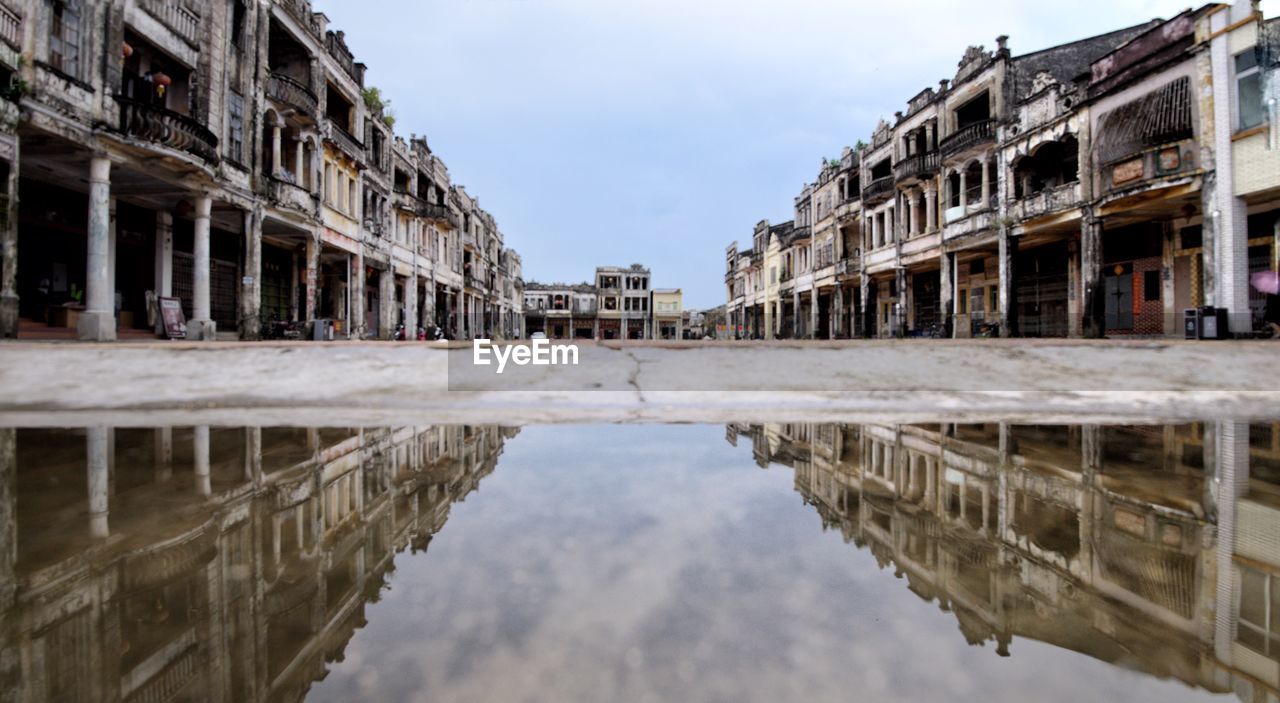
(126,49)
(162,79)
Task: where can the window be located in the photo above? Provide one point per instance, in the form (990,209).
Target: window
(1151,285)
(237,24)
(235,126)
(64,37)
(1249,90)
(1259,627)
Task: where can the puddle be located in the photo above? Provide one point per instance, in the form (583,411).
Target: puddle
(642,562)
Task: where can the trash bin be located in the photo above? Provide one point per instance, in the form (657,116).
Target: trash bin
(1191,323)
(1213,323)
(322,330)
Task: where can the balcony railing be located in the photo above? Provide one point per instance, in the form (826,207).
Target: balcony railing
(345,141)
(157,124)
(175,15)
(968,136)
(878,190)
(301,11)
(915,166)
(292,92)
(10,28)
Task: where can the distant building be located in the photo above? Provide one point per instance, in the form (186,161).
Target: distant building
(668,320)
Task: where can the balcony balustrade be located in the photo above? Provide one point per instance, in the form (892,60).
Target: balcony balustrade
(346,142)
(967,137)
(878,190)
(441,214)
(162,126)
(917,166)
(292,92)
(11,28)
(175,15)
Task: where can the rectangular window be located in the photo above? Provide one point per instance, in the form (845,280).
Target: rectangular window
(1249,90)
(235,126)
(64,36)
(1151,285)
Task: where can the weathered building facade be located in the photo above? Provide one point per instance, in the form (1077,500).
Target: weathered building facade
(1100,187)
(228,154)
(620,304)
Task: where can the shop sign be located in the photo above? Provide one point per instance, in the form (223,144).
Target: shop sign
(1170,160)
(1128,171)
(175,323)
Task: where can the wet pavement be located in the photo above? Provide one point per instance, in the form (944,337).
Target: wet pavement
(747,561)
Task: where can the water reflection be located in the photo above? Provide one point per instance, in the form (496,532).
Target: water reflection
(236,564)
(209,564)
(1155,548)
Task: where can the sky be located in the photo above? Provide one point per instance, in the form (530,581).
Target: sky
(612,132)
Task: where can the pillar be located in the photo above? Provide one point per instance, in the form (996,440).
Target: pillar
(311,263)
(200,325)
(837,315)
(357,327)
(1006,294)
(1095,322)
(163,285)
(868,307)
(387,304)
(813,313)
(298,164)
(900,307)
(946,291)
(913,204)
(795,314)
(251,281)
(411,307)
(964,187)
(200,459)
(98,464)
(931,208)
(98,321)
(986,183)
(275,151)
(9,254)
(461,312)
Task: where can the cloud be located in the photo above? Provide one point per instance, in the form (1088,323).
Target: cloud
(608,132)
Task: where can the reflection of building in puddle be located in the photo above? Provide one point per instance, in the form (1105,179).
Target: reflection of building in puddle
(227,564)
(1122,543)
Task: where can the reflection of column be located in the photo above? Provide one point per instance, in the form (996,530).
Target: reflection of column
(1090,467)
(201,325)
(98,459)
(8,519)
(98,321)
(252,453)
(163,453)
(200,458)
(1231,456)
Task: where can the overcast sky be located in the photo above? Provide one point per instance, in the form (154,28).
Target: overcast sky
(609,132)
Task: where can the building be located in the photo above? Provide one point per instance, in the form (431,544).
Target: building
(619,305)
(1099,187)
(272,543)
(668,313)
(231,155)
(1151,547)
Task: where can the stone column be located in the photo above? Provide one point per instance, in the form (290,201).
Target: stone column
(1095,321)
(9,254)
(913,204)
(387,304)
(275,150)
(813,313)
(1007,291)
(964,188)
(462,314)
(795,314)
(312,281)
(251,283)
(201,326)
(867,307)
(900,326)
(946,290)
(837,315)
(98,321)
(163,286)
(98,460)
(411,307)
(200,459)
(298,164)
(986,183)
(357,328)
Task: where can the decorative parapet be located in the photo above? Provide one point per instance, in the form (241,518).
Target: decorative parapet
(180,17)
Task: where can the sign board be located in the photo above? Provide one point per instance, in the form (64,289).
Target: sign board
(175,323)
(1127,171)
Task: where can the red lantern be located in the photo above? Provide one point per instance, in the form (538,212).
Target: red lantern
(162,79)
(126,49)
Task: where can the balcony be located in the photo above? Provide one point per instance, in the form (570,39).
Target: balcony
(1047,202)
(346,142)
(179,18)
(878,191)
(291,195)
(968,137)
(441,214)
(157,124)
(292,92)
(10,28)
(918,166)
